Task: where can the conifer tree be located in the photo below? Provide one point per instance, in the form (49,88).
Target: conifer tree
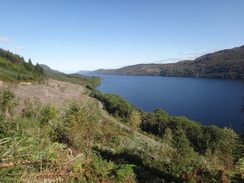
(30,62)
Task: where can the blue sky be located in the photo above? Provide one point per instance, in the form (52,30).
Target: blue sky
(73,35)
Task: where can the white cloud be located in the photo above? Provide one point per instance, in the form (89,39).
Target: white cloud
(20,48)
(4,39)
(189,56)
(196,53)
(173,60)
(177,59)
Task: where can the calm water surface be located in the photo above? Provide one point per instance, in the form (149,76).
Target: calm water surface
(209,101)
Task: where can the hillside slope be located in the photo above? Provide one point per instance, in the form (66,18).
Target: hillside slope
(52,92)
(47,68)
(15,68)
(227,63)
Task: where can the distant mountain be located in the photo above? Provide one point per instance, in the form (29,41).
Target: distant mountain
(227,63)
(83,72)
(47,68)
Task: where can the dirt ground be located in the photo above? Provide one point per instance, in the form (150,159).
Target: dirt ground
(53,91)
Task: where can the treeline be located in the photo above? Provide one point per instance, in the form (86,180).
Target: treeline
(115,105)
(15,68)
(222,64)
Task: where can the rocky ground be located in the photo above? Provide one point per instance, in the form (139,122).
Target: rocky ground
(53,92)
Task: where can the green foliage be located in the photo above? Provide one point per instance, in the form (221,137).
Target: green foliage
(32,108)
(14,68)
(115,105)
(13,148)
(47,115)
(123,172)
(135,120)
(239,149)
(240,166)
(16,59)
(7,101)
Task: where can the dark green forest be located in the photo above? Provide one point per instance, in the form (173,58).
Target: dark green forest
(227,64)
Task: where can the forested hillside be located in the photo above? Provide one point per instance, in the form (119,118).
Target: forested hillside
(222,64)
(15,68)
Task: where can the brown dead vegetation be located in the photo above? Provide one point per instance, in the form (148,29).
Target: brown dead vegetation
(53,92)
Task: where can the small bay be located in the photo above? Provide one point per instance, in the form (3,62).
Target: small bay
(206,100)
